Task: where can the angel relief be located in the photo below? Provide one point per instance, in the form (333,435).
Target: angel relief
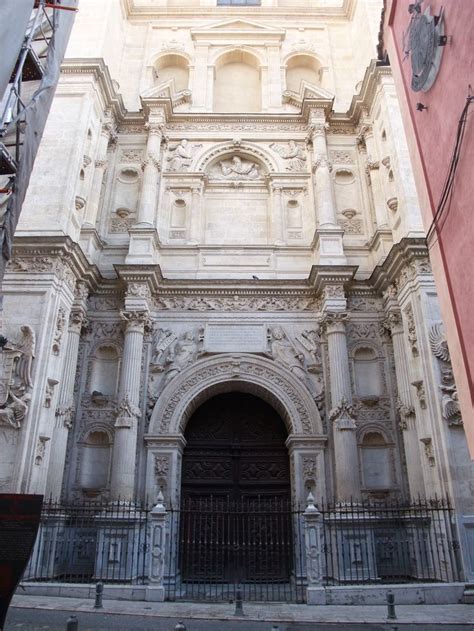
(237,169)
(16,361)
(294,156)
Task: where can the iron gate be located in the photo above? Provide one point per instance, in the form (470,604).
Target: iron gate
(218,544)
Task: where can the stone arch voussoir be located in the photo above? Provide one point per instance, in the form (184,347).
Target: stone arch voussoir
(235,372)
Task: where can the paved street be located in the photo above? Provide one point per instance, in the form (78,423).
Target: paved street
(46,620)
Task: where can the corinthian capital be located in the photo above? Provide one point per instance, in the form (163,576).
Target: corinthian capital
(154,128)
(392,322)
(151,159)
(335,322)
(77,320)
(136,321)
(321,161)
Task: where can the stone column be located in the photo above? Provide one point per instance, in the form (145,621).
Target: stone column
(324,191)
(406,409)
(151,168)
(122,485)
(277,218)
(65,410)
(100,168)
(328,234)
(196,192)
(372,168)
(342,413)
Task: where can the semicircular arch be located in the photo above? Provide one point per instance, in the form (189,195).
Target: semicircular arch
(244,149)
(235,372)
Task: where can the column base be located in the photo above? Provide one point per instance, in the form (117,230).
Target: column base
(328,245)
(91,243)
(315,596)
(380,244)
(144,245)
(155,593)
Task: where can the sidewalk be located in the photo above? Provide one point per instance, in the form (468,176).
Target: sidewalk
(269,612)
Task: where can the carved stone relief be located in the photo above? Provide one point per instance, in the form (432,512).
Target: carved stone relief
(60,326)
(236,302)
(293,155)
(450,407)
(411,331)
(236,168)
(181,155)
(16,382)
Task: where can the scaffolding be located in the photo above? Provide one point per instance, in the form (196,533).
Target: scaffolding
(25,104)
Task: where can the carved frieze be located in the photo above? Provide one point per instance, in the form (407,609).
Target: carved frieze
(59,332)
(411,330)
(236,302)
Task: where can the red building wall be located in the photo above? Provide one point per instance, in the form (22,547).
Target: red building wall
(432,135)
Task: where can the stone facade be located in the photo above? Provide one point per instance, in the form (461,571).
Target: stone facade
(194,239)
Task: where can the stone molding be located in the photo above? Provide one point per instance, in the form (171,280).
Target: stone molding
(228,371)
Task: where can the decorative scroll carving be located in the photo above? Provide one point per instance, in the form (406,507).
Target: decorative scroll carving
(236,303)
(310,468)
(321,161)
(311,341)
(340,156)
(162,340)
(450,408)
(161,466)
(294,156)
(350,224)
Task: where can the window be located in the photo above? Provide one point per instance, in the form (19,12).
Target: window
(238,3)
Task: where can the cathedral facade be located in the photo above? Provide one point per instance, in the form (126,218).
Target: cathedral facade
(220,284)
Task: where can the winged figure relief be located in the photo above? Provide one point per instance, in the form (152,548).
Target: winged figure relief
(294,155)
(438,343)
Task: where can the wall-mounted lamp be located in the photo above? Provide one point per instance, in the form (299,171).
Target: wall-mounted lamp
(420,107)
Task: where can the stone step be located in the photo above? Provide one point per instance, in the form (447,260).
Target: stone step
(468,595)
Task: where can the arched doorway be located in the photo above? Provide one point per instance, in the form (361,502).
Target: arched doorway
(236,450)
(237,526)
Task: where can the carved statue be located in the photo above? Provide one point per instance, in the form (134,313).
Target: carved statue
(283,350)
(15,412)
(183,353)
(181,156)
(294,155)
(241,169)
(26,345)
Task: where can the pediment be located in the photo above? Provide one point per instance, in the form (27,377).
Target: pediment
(237,26)
(308,91)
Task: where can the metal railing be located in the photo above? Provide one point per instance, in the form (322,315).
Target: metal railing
(90,541)
(214,548)
(219,546)
(391,542)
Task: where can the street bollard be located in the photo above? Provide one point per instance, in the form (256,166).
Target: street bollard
(99,590)
(180,627)
(72,624)
(239,610)
(391,606)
